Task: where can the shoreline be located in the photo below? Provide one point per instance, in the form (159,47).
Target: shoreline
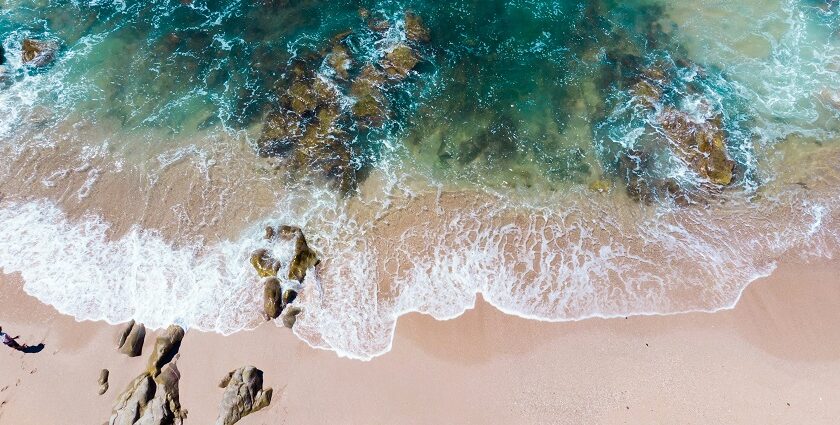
(741,365)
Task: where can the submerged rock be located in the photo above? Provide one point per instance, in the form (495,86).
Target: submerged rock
(832,98)
(244,394)
(414,28)
(311,130)
(699,143)
(399,61)
(600,185)
(632,167)
(702,145)
(379,25)
(166,347)
(103,381)
(281,132)
(131,340)
(340,61)
(370,108)
(38,53)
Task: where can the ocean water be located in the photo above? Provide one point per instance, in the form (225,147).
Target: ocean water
(562,159)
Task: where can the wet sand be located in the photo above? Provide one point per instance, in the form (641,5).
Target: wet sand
(772,360)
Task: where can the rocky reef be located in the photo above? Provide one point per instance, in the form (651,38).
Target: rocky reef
(331,97)
(681,148)
(696,140)
(244,394)
(152,398)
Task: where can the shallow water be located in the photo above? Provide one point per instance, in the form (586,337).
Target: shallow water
(530,156)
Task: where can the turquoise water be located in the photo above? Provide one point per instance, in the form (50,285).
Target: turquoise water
(563,159)
(511,93)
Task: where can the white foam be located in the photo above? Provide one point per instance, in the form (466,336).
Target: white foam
(75,268)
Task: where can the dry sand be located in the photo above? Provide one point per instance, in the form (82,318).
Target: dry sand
(774,359)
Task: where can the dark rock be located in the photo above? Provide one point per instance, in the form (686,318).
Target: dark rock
(287,232)
(244,394)
(264,264)
(272,298)
(131,340)
(370,107)
(289,315)
(269,233)
(282,130)
(399,61)
(289,297)
(379,25)
(166,347)
(38,53)
(304,259)
(103,381)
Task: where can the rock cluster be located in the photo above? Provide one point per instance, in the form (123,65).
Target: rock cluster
(244,394)
(310,129)
(278,295)
(131,340)
(152,397)
(698,142)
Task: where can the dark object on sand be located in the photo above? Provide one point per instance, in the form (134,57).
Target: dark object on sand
(103,381)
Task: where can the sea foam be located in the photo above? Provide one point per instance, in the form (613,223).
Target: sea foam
(584,260)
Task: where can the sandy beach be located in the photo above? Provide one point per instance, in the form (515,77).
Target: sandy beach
(771,360)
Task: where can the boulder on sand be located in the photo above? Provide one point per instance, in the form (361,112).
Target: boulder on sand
(244,394)
(131,340)
(103,381)
(152,398)
(150,401)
